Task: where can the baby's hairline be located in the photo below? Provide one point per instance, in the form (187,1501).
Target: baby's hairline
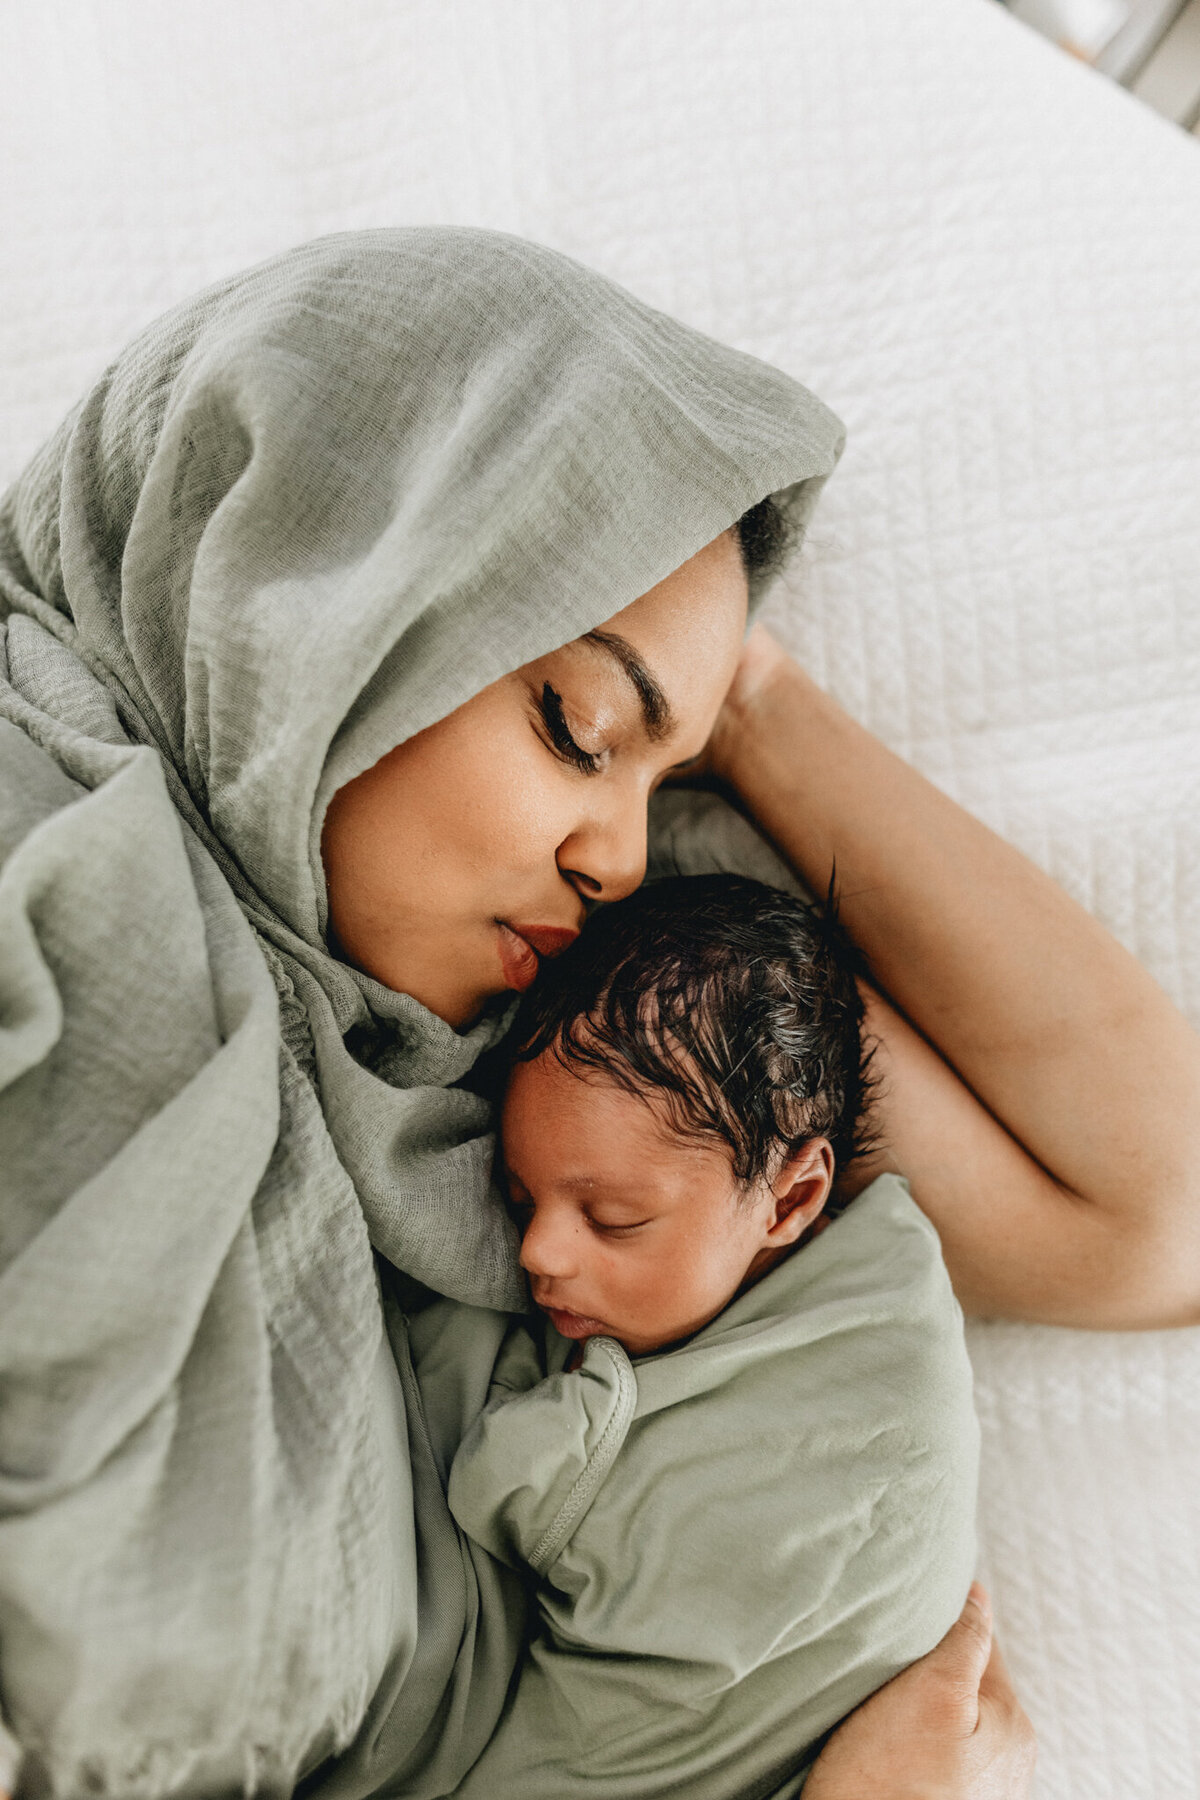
(728,1006)
(670,1129)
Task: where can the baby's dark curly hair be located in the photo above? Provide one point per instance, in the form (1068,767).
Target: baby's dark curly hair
(734,1001)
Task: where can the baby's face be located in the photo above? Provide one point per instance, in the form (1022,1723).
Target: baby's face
(628,1230)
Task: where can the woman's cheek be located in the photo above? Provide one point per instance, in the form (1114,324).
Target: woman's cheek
(524,811)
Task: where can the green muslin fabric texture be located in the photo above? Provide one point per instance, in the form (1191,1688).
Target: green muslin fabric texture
(738,1540)
(299,519)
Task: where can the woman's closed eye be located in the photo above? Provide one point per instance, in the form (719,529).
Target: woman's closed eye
(559,733)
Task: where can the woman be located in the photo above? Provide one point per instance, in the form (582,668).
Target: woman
(362,604)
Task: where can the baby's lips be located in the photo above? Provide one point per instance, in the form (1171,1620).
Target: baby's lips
(574,1325)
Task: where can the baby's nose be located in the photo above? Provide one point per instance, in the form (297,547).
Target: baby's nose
(549,1247)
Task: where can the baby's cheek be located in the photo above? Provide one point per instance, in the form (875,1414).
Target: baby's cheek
(690,1284)
(647,1286)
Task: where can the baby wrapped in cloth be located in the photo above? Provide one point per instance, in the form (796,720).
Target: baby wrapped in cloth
(738,1531)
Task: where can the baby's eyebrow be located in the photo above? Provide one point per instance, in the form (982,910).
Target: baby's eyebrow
(589,1187)
(657,716)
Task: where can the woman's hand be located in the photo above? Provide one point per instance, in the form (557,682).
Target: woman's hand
(762,656)
(948,1728)
(10,1759)
(762,661)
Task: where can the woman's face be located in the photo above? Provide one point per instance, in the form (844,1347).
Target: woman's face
(492,828)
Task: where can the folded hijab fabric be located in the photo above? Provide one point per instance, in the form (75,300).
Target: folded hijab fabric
(299,519)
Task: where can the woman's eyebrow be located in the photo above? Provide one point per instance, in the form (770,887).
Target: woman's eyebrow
(657,716)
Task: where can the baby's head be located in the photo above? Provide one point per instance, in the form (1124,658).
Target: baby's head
(688,1077)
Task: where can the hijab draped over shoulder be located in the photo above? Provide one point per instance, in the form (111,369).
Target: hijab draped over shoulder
(301,518)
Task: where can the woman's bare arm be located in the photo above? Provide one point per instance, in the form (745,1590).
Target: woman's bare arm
(1042,1093)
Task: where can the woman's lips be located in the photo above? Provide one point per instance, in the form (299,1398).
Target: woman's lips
(574,1325)
(518,960)
(521,945)
(547,940)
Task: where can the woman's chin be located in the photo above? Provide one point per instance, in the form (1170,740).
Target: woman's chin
(463,1009)
(480,982)
(458,1007)
(462,1012)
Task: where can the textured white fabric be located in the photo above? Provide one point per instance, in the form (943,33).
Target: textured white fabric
(987,261)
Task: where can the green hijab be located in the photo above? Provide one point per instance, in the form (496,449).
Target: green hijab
(301,518)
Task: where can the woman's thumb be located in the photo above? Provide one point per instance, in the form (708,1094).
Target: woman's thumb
(966,1647)
(10,1757)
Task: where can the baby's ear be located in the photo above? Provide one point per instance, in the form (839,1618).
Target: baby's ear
(800,1190)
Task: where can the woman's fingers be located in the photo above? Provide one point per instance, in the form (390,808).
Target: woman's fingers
(950,1726)
(761,653)
(761,656)
(963,1656)
(996,1687)
(998,1701)
(10,1758)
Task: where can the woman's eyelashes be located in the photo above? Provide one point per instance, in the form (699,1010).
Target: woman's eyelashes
(559,733)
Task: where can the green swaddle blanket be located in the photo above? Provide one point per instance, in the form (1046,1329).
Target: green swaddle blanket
(735,1541)
(299,519)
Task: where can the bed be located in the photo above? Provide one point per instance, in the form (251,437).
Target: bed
(987,259)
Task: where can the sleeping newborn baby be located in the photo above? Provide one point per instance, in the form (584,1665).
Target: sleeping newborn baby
(736,1454)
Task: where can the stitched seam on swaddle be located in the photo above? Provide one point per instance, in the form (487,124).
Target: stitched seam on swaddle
(588,1482)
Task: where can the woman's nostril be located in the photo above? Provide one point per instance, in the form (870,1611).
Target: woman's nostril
(615,884)
(612,853)
(586,886)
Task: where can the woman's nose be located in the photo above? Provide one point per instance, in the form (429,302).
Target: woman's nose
(605,856)
(548,1247)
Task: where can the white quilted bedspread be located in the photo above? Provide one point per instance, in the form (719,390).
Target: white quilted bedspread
(989,262)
